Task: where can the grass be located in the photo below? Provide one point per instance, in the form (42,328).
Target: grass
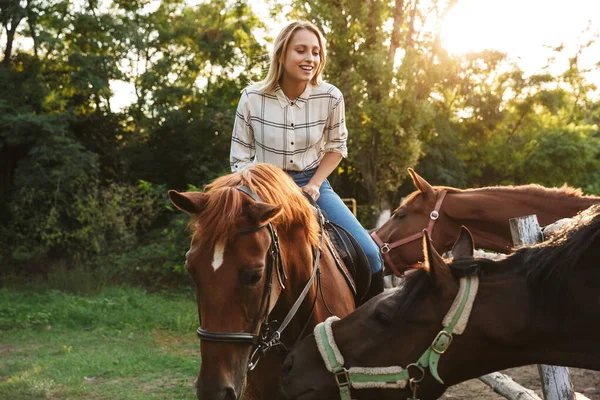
(119,343)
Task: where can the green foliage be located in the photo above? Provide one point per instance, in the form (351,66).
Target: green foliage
(82,182)
(120,343)
(84,220)
(110,308)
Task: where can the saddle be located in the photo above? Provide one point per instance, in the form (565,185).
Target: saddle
(347,253)
(354,264)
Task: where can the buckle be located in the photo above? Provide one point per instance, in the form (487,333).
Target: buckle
(434,215)
(444,339)
(385,248)
(342,378)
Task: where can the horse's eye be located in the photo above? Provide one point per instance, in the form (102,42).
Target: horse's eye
(398,215)
(250,278)
(382,318)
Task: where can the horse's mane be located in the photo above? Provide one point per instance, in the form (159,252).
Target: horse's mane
(530,189)
(547,266)
(533,189)
(217,220)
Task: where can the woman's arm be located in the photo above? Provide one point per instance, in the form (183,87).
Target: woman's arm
(328,164)
(242,151)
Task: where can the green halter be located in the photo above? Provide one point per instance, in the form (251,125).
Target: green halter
(395,377)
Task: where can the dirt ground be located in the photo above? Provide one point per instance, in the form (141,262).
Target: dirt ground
(584,381)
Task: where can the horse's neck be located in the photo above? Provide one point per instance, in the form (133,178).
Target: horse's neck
(486,212)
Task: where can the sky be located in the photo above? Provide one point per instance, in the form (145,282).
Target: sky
(525,29)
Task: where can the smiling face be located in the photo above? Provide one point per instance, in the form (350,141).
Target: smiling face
(302,58)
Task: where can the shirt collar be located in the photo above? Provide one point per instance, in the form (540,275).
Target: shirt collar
(300,100)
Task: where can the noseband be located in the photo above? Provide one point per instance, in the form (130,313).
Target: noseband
(385,248)
(396,377)
(268,337)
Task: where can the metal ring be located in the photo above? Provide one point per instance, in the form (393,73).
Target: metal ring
(421,370)
(385,248)
(434,215)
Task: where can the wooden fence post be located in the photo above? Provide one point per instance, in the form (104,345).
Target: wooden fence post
(556,382)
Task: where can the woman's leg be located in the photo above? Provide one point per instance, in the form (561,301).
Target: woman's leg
(338,212)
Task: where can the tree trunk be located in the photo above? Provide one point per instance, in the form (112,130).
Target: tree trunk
(397,29)
(10,37)
(411,26)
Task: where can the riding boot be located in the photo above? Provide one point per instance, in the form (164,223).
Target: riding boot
(376,286)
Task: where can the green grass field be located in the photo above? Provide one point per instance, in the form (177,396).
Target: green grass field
(120,343)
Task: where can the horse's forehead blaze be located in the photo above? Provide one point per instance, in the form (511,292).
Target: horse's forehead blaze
(218,255)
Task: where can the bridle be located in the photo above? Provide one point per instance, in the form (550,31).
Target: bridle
(385,248)
(268,337)
(395,377)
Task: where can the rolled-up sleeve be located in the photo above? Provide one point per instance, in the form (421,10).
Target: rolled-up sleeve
(243,150)
(336,133)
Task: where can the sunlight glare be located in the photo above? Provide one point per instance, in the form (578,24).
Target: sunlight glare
(521,28)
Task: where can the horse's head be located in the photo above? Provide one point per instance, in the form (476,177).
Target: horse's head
(234,261)
(399,329)
(399,239)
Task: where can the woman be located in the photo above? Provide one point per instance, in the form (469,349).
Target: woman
(295,121)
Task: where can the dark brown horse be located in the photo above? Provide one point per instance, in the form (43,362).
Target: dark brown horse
(485,212)
(448,323)
(254,251)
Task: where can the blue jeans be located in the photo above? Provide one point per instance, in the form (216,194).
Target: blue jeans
(339,213)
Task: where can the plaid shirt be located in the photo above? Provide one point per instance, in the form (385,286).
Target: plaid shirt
(292,135)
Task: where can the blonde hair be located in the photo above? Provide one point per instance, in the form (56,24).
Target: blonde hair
(280,48)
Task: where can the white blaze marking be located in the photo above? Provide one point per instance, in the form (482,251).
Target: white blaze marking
(218,256)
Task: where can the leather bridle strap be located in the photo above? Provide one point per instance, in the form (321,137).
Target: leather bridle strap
(237,337)
(385,248)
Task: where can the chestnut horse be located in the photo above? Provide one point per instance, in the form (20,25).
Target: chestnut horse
(448,323)
(256,253)
(485,212)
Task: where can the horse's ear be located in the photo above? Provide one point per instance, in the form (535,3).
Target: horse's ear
(190,202)
(463,247)
(263,212)
(435,264)
(421,184)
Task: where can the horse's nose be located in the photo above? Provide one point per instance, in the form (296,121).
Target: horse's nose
(230,394)
(215,393)
(287,365)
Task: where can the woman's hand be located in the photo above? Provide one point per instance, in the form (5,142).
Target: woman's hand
(312,189)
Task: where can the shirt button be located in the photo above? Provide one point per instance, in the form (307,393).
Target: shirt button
(292,143)
(291,161)
(292,103)
(292,124)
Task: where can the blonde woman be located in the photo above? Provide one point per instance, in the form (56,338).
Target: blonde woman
(295,121)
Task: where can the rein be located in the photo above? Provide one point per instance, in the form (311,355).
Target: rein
(395,377)
(385,247)
(268,337)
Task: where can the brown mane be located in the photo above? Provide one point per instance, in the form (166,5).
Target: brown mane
(272,185)
(533,189)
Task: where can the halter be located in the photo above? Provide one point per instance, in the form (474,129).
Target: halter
(268,337)
(385,248)
(396,377)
